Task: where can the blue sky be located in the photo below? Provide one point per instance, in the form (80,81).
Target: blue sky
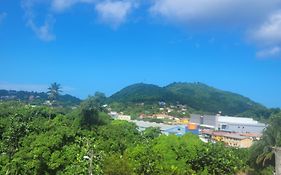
(105,45)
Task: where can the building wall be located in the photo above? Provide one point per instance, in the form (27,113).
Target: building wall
(246,143)
(211,120)
(234,124)
(234,142)
(243,128)
(124,117)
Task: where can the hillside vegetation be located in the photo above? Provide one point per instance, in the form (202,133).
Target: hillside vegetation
(147,93)
(197,96)
(37,98)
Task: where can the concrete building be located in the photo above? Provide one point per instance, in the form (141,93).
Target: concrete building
(227,123)
(168,129)
(233,139)
(178,130)
(113,114)
(239,124)
(117,116)
(124,117)
(142,125)
(209,121)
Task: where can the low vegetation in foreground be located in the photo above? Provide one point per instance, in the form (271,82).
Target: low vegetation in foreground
(49,140)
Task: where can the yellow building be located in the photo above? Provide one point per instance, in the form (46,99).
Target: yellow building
(233,139)
(184,121)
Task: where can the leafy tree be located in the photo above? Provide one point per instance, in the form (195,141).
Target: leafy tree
(117,164)
(90,113)
(117,136)
(184,155)
(151,133)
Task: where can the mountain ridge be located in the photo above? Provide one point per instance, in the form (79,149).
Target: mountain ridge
(198,96)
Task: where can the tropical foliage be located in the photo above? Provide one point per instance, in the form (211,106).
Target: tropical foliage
(263,153)
(43,140)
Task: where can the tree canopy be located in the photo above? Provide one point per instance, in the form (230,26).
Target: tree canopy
(42,140)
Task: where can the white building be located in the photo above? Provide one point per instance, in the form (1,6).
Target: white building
(124,117)
(228,123)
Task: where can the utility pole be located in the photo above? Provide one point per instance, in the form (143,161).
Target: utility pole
(277,152)
(90,157)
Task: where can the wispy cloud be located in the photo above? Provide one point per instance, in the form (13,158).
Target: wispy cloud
(268,35)
(61,5)
(262,18)
(114,13)
(2,16)
(225,14)
(269,53)
(43,31)
(213,11)
(111,12)
(269,32)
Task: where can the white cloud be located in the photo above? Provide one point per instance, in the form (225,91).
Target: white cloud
(259,19)
(268,35)
(269,32)
(270,52)
(114,13)
(2,16)
(234,12)
(61,5)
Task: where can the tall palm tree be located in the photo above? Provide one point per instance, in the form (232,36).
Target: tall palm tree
(54,91)
(272,143)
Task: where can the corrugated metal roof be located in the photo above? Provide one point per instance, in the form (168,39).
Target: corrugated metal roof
(230,135)
(236,120)
(144,124)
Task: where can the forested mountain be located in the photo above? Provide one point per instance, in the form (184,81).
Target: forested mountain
(198,96)
(205,98)
(37,97)
(147,93)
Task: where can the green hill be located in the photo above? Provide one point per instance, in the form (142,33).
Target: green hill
(37,98)
(146,93)
(205,98)
(197,96)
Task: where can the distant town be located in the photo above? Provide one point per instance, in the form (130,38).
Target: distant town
(233,131)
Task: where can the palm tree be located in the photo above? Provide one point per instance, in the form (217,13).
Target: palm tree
(271,143)
(54,91)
